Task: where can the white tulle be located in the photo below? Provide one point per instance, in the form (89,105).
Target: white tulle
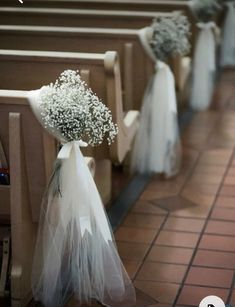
(157,146)
(204,67)
(228,39)
(75,251)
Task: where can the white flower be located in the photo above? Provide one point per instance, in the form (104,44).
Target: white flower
(73,110)
(205,10)
(170,36)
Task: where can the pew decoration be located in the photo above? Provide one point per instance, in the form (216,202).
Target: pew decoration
(204,61)
(75,250)
(227,57)
(157,147)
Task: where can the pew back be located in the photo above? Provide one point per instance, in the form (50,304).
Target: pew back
(39,150)
(27,70)
(76,17)
(136,66)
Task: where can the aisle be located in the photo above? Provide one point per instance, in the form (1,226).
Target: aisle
(178,241)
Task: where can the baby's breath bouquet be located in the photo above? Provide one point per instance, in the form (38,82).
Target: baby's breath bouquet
(71,109)
(170,36)
(205,10)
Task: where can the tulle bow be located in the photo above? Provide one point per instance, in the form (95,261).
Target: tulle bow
(157,146)
(206,25)
(204,66)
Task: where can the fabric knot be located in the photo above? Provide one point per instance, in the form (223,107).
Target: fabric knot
(65,151)
(160,65)
(206,25)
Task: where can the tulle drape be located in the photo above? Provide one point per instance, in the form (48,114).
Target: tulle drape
(75,251)
(204,67)
(228,39)
(157,147)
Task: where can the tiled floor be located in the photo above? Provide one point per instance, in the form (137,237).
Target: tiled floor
(178,241)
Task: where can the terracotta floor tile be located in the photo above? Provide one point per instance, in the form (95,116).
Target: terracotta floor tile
(219,243)
(199,199)
(214,259)
(132,251)
(183,224)
(228,190)
(151,194)
(204,189)
(209,169)
(209,277)
(180,239)
(229,180)
(132,234)
(231,171)
(223,214)
(192,295)
(199,211)
(225,202)
(162,292)
(173,203)
(220,228)
(154,271)
(143,220)
(142,299)
(205,178)
(177,255)
(170,185)
(216,157)
(147,208)
(232,299)
(131,267)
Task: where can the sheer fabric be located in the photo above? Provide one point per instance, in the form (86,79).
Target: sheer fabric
(204,67)
(157,147)
(228,38)
(75,251)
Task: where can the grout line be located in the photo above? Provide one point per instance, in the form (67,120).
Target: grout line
(231,290)
(150,246)
(204,227)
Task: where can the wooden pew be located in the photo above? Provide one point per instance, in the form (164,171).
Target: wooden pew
(117,5)
(132,5)
(26,70)
(31,152)
(125,41)
(76,17)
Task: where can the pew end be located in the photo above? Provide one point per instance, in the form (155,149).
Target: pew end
(29,150)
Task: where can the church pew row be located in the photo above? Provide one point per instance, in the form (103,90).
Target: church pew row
(27,70)
(125,42)
(118,5)
(30,152)
(76,17)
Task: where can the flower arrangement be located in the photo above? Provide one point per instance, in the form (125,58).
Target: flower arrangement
(170,36)
(71,109)
(205,10)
